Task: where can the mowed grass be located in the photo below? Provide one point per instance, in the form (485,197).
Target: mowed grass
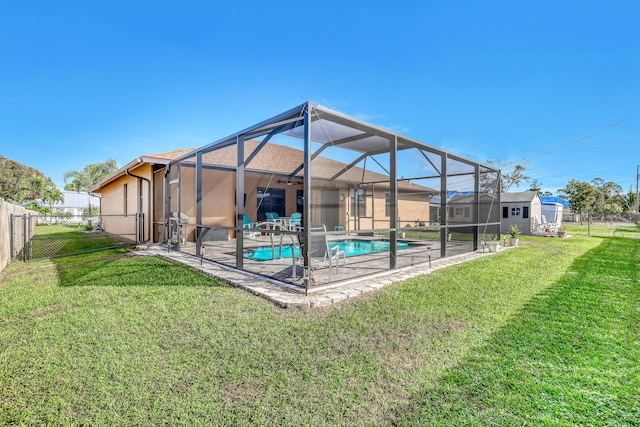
(544,334)
(60,240)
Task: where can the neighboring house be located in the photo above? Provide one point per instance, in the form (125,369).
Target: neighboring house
(555,209)
(523,209)
(75,203)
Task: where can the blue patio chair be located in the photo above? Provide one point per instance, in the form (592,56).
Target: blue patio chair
(271,218)
(252,228)
(295,220)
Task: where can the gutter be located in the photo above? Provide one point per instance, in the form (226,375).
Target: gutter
(123,170)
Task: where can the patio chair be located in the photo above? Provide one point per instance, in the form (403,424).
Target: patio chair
(295,220)
(252,229)
(320,250)
(545,226)
(177,227)
(271,218)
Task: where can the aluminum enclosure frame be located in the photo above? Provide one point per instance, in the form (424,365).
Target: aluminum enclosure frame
(364,139)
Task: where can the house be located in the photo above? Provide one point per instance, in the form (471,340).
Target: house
(76,203)
(358,181)
(523,209)
(138,188)
(135,192)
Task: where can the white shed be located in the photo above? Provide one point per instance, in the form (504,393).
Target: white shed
(520,209)
(553,208)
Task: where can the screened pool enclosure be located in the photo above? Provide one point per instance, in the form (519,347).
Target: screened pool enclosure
(313,198)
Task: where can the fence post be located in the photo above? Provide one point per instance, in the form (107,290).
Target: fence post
(30,240)
(24,237)
(12,236)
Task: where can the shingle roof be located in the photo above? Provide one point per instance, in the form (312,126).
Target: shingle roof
(519,197)
(169,155)
(280,160)
(284,160)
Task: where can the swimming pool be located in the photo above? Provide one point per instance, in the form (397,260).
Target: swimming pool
(349,247)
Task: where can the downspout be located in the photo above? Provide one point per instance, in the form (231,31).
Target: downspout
(165,222)
(140,178)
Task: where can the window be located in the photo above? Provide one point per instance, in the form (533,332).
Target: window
(124,199)
(515,212)
(358,202)
(505,212)
(299,200)
(387,204)
(525,212)
(270,200)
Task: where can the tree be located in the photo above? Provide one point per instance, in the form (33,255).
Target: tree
(535,186)
(509,176)
(581,195)
(31,188)
(51,196)
(609,198)
(89,177)
(629,201)
(35,189)
(12,173)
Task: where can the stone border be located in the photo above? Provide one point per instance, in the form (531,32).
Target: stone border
(288,296)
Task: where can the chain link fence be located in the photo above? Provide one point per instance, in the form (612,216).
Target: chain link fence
(47,236)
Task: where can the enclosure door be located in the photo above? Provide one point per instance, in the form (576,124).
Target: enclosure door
(330,215)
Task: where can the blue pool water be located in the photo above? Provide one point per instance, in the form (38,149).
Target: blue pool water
(349,247)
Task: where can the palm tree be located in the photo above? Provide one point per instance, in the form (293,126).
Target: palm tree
(89,177)
(52,195)
(31,188)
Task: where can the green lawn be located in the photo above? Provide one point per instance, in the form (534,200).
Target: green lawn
(544,334)
(60,240)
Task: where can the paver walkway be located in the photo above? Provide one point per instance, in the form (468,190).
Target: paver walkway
(289,296)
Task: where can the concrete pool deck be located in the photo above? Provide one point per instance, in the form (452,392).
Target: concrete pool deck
(288,296)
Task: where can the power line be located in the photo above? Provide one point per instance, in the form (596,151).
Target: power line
(526,160)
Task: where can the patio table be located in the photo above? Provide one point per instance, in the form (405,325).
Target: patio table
(284,221)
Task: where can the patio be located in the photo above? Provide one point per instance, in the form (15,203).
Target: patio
(289,269)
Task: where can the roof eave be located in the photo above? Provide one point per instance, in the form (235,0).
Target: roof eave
(123,170)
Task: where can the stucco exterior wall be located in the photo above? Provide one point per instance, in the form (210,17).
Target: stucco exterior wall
(114,201)
(218,201)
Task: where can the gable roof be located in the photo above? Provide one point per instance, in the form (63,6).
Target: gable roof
(163,158)
(519,197)
(272,159)
(284,161)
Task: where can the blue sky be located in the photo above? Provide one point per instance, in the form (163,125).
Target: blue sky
(82,82)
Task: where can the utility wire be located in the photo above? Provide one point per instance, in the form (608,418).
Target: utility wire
(575,141)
